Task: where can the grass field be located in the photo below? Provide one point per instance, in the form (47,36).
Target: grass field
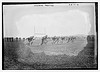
(19,57)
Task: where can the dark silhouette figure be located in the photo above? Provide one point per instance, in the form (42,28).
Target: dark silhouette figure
(44,39)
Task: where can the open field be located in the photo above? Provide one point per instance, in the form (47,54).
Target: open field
(18,56)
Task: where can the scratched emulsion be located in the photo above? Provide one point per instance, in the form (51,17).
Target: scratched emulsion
(45,53)
(71,48)
(74,27)
(77,22)
(72,22)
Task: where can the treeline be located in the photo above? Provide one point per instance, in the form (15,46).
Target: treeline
(91,37)
(12,39)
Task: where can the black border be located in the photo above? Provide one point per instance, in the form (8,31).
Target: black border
(96,22)
(21,3)
(2,41)
(17,3)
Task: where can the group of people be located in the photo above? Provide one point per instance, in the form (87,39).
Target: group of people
(45,39)
(55,39)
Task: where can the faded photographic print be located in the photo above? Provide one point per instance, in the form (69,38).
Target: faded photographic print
(50,35)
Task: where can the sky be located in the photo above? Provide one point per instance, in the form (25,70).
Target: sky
(57,20)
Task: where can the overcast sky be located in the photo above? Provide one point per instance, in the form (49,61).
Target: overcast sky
(57,20)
